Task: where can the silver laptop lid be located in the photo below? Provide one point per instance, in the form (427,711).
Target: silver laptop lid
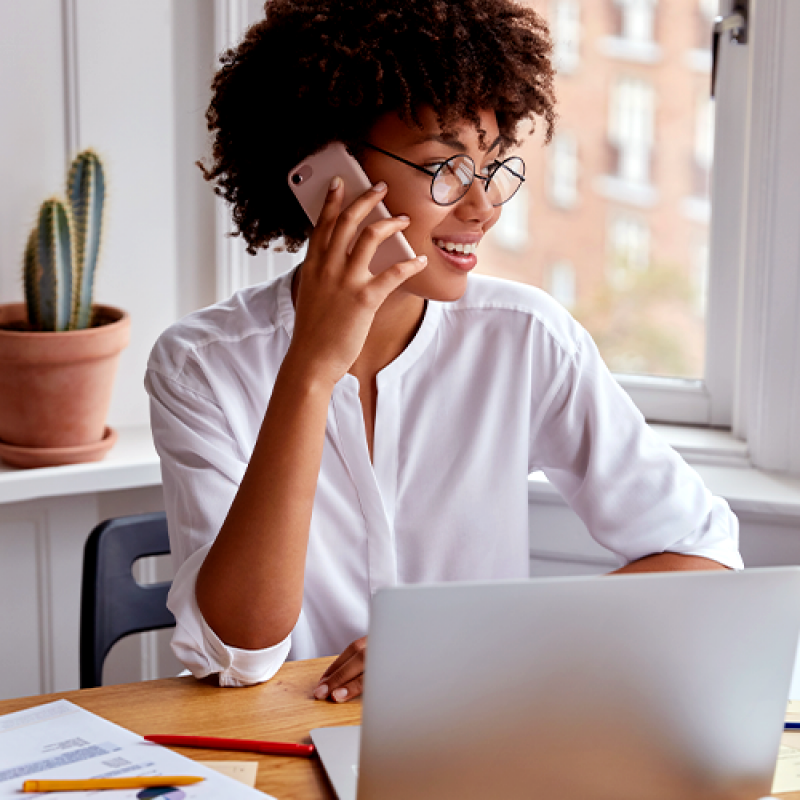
(657,686)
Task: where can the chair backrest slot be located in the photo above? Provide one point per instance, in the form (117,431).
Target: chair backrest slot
(113,604)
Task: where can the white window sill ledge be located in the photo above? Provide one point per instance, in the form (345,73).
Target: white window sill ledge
(132,463)
(629,49)
(641,195)
(720,458)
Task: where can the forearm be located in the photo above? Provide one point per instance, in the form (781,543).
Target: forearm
(250,587)
(670,562)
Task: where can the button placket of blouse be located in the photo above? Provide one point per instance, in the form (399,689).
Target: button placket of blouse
(385,443)
(381,555)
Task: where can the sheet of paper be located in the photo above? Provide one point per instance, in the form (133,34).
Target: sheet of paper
(62,740)
(787,772)
(243,771)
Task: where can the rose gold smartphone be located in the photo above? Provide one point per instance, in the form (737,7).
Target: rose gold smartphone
(310,181)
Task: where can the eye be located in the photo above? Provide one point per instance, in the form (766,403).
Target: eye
(491,168)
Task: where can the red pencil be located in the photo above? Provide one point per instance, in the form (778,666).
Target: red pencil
(251,745)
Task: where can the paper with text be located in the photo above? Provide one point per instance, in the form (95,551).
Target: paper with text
(60,740)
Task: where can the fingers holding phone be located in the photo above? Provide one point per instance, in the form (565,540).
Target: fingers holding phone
(311,181)
(339,294)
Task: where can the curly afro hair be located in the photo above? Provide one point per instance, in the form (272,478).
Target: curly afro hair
(317,71)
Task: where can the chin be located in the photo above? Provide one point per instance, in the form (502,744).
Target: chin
(442,288)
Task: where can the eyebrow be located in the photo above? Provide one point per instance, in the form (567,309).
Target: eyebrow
(455,144)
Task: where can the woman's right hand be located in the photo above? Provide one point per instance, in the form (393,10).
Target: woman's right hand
(338,295)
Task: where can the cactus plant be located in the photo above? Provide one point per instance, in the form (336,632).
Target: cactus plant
(61,254)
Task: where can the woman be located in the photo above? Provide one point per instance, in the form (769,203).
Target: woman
(332,432)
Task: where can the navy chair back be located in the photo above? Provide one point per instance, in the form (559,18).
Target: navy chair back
(113,604)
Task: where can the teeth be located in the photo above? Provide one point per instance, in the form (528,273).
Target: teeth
(454,247)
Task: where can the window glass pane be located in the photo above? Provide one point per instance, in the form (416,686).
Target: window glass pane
(613,217)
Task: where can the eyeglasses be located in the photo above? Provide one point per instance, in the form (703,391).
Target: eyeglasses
(451,179)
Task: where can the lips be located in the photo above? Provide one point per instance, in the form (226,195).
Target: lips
(461,261)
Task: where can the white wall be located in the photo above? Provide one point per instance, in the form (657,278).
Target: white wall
(142,73)
(132,80)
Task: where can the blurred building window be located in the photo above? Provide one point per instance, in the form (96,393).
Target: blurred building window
(630,129)
(637,20)
(709,9)
(562,283)
(566,24)
(628,247)
(511,230)
(563,183)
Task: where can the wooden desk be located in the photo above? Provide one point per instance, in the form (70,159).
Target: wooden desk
(281,709)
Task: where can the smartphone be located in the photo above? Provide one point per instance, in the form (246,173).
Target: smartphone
(310,181)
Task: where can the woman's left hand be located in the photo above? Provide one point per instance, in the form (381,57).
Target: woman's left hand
(344,679)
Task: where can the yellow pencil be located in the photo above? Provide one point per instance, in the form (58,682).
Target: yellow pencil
(109,783)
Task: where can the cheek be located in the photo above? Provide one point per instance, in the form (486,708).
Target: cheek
(493,220)
(425,215)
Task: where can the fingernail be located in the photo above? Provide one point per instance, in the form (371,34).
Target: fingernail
(321,692)
(335,183)
(339,694)
(422,259)
(379,186)
(403,217)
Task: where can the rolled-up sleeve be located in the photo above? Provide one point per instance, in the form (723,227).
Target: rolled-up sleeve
(201,466)
(634,493)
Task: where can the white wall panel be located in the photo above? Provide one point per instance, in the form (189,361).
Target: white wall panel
(32,153)
(125,77)
(21,618)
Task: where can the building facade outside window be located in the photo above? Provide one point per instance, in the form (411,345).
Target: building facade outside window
(566,32)
(631,128)
(564,170)
(637,20)
(562,283)
(615,196)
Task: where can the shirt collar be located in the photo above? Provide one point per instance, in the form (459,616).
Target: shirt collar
(406,359)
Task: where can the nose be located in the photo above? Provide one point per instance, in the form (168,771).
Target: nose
(475,205)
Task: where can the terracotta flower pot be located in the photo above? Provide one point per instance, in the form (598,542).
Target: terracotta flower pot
(55,388)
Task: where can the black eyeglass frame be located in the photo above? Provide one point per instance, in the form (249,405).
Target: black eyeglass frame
(434,173)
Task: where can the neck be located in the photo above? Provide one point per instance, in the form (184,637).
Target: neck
(394,326)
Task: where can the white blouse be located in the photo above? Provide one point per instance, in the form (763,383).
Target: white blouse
(494,386)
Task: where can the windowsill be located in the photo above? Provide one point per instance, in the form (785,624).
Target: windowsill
(699,60)
(722,462)
(643,195)
(132,463)
(697,209)
(718,456)
(629,50)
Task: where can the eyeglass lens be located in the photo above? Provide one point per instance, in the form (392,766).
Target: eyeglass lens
(455,176)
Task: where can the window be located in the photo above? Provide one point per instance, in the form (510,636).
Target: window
(751,377)
(638,18)
(628,248)
(564,170)
(566,16)
(562,283)
(511,231)
(630,129)
(635,135)
(708,9)
(697,204)
(632,31)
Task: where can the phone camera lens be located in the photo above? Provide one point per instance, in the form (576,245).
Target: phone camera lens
(297,178)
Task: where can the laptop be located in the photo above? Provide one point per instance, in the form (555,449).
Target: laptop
(657,686)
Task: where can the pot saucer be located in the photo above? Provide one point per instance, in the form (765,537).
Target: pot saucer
(30,457)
